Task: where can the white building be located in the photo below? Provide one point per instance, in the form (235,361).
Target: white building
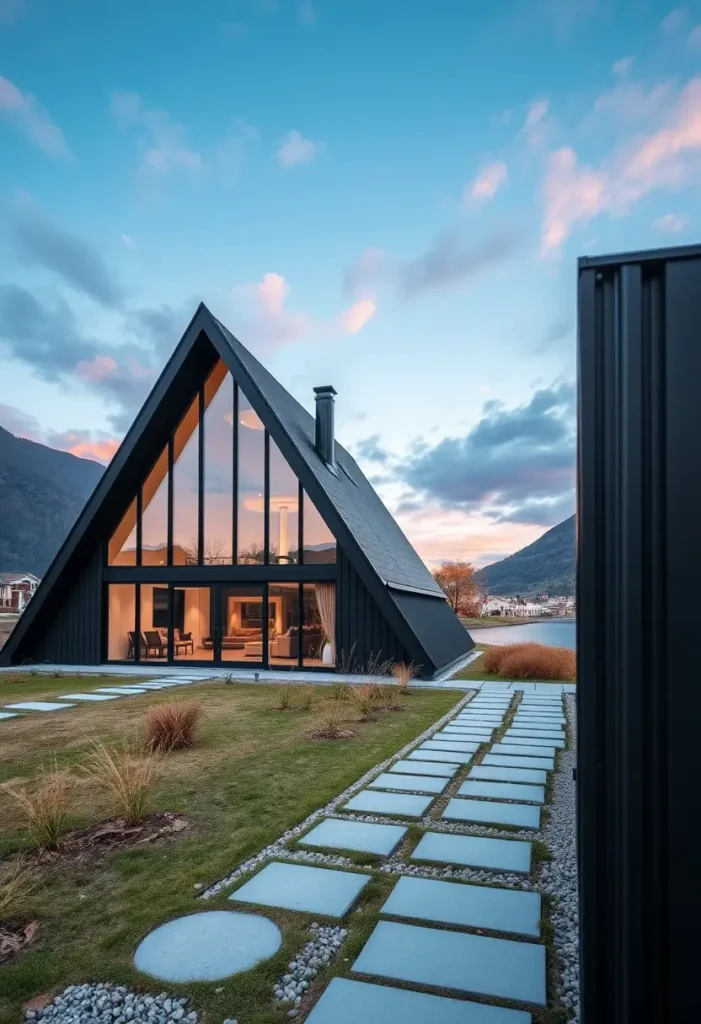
(511,607)
(17,590)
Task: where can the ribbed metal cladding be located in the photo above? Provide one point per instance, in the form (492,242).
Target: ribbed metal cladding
(638,572)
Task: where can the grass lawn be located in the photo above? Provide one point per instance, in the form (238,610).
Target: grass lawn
(475,671)
(252,775)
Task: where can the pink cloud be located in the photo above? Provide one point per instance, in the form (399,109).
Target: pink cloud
(30,117)
(356,316)
(488,182)
(272,292)
(295,149)
(102,451)
(665,159)
(97,368)
(271,322)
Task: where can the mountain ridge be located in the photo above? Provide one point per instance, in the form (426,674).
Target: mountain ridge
(547,566)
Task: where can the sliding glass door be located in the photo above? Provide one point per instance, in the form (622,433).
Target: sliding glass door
(241,631)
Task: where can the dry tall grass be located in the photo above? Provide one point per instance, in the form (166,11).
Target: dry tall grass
(329,724)
(364,698)
(530,661)
(17,880)
(307,697)
(283,697)
(171,726)
(404,674)
(46,805)
(125,776)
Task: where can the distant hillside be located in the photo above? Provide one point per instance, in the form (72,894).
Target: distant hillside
(41,493)
(546,566)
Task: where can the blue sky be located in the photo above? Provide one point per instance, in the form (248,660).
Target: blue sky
(386,195)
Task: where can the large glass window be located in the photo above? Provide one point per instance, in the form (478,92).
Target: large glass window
(319,542)
(186,488)
(154,614)
(283,510)
(122,543)
(121,621)
(154,514)
(192,629)
(242,623)
(284,633)
(250,465)
(218,466)
(319,624)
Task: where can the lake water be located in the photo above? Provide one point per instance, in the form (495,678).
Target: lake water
(557,633)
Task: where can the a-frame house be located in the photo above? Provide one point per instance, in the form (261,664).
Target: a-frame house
(231,529)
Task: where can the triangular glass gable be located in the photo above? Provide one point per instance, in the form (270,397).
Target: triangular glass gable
(221,502)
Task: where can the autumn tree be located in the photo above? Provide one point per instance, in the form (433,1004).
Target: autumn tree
(457,579)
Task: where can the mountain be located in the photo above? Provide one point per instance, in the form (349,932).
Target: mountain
(544,567)
(41,493)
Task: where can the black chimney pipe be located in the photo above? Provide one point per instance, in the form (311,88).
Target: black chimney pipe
(324,435)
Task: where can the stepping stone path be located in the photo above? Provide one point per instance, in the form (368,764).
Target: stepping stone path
(38,705)
(444,946)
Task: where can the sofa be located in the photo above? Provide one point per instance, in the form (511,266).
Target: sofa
(287,644)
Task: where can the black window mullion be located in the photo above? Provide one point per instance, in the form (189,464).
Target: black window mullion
(171,623)
(137,624)
(169,491)
(200,480)
(265,653)
(300,622)
(139,510)
(266,501)
(235,478)
(300,522)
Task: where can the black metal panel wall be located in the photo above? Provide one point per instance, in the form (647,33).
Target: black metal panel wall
(639,565)
(362,627)
(442,636)
(70,631)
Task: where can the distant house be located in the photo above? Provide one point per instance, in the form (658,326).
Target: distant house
(16,590)
(232,529)
(510,607)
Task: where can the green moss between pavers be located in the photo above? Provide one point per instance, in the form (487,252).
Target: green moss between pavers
(250,777)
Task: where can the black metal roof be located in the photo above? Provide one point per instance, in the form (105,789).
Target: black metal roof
(369,522)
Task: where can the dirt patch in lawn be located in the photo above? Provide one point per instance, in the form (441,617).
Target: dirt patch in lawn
(14,938)
(97,840)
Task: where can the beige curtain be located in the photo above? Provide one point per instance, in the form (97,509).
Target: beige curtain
(326,600)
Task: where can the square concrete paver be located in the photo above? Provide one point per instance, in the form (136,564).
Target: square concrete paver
(462,746)
(9,714)
(348,1002)
(522,750)
(375,802)
(464,734)
(455,960)
(475,851)
(298,887)
(121,690)
(470,906)
(337,834)
(507,761)
(434,754)
(38,705)
(89,696)
(502,774)
(409,783)
(492,812)
(445,771)
(535,743)
(503,791)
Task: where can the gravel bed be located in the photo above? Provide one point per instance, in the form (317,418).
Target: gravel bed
(559,876)
(112,1004)
(277,848)
(312,958)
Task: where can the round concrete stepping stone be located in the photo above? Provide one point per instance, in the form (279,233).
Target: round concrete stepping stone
(207,946)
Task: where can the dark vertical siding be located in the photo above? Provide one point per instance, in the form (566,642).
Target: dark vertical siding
(69,629)
(638,561)
(361,622)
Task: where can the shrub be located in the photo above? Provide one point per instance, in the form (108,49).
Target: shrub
(16,882)
(329,725)
(530,661)
(283,697)
(171,726)
(341,691)
(404,674)
(389,698)
(46,805)
(307,697)
(125,776)
(229,678)
(364,698)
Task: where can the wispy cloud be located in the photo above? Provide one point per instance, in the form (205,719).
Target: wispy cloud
(164,148)
(623,66)
(86,444)
(24,110)
(674,21)
(536,127)
(487,183)
(666,158)
(672,223)
(356,316)
(295,149)
(11,9)
(306,13)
